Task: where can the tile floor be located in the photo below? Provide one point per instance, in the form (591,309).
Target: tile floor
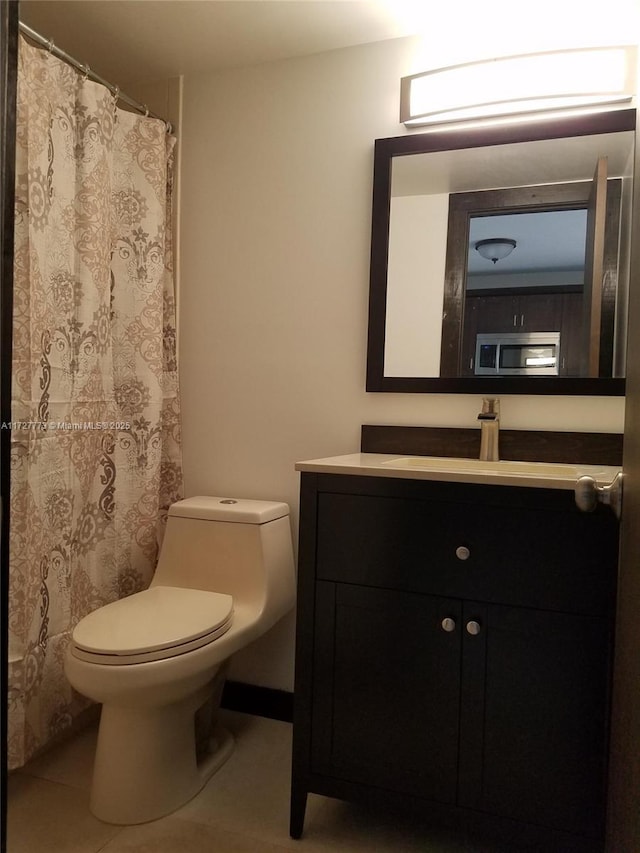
(243,809)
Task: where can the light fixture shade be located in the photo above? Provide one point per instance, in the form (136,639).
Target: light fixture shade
(519,84)
(495,248)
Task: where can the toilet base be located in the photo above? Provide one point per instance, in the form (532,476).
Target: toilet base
(146,766)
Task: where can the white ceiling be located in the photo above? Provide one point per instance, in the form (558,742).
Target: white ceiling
(150,39)
(520,164)
(537,245)
(147,40)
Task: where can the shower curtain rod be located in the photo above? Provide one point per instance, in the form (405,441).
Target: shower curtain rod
(86,70)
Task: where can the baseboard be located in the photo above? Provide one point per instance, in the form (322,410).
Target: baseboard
(261,701)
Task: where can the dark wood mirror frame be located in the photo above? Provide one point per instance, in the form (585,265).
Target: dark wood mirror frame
(385,150)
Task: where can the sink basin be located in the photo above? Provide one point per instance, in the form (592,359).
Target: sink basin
(527,469)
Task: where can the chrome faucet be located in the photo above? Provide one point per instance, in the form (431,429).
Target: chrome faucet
(489,419)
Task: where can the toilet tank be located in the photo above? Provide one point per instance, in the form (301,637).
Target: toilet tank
(239,547)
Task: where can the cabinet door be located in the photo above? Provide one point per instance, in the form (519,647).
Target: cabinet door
(469,331)
(545,712)
(539,312)
(496,314)
(386,689)
(571,335)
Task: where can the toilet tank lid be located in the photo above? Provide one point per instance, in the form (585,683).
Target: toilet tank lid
(229,509)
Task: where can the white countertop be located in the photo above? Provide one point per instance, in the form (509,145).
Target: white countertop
(540,475)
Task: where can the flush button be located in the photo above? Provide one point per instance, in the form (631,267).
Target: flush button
(229,502)
(463,553)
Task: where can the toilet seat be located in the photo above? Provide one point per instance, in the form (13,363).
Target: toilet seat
(158,623)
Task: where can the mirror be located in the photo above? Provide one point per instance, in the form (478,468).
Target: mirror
(542,313)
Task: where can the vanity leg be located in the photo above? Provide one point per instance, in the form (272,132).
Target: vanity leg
(298,806)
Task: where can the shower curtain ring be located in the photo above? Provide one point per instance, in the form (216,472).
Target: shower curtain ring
(169,127)
(146,111)
(116,93)
(50,45)
(85,71)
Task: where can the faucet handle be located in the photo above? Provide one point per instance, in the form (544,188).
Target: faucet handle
(490,408)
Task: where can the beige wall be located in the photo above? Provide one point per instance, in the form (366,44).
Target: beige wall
(417,254)
(275,223)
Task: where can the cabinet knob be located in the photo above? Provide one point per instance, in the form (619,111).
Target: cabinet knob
(463,553)
(473,627)
(448,624)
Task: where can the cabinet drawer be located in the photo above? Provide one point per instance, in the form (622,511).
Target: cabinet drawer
(557,560)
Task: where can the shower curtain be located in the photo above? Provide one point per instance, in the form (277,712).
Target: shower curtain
(96,423)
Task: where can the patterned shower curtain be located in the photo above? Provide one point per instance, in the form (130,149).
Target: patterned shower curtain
(96,423)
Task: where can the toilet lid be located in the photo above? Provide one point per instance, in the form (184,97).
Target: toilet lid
(161,618)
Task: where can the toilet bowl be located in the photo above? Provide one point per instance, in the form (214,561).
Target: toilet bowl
(157,659)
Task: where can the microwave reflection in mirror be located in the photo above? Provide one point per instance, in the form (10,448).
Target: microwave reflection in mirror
(518,354)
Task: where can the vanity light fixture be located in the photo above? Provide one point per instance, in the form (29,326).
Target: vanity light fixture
(539,82)
(495,248)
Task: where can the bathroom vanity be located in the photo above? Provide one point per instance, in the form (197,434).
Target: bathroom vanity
(454,644)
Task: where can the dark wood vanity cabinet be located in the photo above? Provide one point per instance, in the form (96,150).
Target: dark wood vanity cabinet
(454,649)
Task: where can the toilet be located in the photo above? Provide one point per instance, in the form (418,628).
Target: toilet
(156,660)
